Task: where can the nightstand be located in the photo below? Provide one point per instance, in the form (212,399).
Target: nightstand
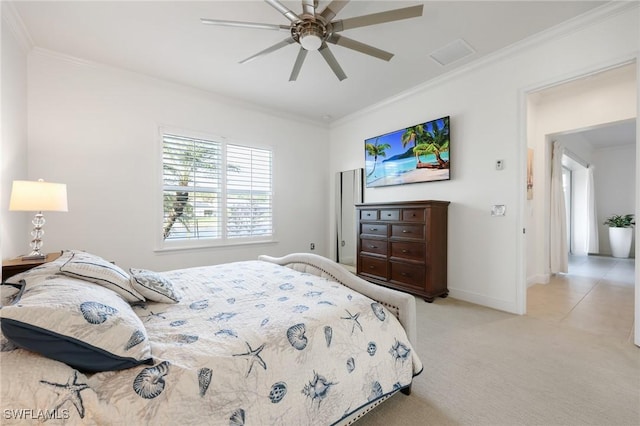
(12,267)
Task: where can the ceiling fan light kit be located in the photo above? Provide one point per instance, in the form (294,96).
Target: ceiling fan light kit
(310,35)
(313,30)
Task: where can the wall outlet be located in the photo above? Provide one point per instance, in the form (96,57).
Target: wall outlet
(312,246)
(499,164)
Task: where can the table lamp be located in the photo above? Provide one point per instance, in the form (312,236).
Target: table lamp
(40,197)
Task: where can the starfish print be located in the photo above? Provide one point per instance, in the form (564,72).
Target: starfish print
(69,392)
(153,315)
(254,356)
(353,318)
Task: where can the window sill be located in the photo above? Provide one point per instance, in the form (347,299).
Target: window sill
(207,246)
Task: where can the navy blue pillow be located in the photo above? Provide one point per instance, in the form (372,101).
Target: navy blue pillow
(84,325)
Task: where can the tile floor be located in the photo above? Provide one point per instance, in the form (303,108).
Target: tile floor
(597,295)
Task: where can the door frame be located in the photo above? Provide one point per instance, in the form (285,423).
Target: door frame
(521,151)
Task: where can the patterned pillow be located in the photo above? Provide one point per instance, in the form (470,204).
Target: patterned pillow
(97,270)
(153,286)
(84,325)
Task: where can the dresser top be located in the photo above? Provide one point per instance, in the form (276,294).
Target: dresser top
(404,203)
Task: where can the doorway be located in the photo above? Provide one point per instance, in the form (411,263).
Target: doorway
(550,112)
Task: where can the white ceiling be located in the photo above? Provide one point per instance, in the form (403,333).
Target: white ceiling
(605,136)
(165,39)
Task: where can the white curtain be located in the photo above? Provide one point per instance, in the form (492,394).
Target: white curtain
(558,251)
(592,242)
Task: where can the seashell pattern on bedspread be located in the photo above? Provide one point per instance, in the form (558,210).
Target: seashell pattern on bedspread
(255,343)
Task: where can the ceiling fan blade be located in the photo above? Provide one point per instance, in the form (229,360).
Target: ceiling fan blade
(309,7)
(255,25)
(273,48)
(331,60)
(333,9)
(302,54)
(359,47)
(288,13)
(378,18)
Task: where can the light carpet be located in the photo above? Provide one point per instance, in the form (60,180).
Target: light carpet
(486,367)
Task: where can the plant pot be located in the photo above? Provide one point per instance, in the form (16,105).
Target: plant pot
(620,240)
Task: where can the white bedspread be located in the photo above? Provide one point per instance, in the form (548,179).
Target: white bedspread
(250,343)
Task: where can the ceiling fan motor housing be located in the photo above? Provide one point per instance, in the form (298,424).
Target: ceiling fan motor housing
(310,34)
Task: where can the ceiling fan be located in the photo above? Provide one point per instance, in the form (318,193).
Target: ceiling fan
(313,30)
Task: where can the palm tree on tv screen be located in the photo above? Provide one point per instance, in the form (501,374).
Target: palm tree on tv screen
(413,134)
(374,150)
(435,142)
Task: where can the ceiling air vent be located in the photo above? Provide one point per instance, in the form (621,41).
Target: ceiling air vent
(452,52)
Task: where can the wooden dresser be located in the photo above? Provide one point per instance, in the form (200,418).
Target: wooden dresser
(404,246)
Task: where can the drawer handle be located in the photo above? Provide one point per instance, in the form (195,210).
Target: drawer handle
(372,267)
(405,251)
(373,247)
(388,214)
(404,274)
(373,229)
(404,231)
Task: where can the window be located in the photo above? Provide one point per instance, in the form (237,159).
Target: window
(215,192)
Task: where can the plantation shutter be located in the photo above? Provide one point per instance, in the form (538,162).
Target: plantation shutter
(192,182)
(248,192)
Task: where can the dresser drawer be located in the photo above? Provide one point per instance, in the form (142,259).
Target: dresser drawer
(373,246)
(413,215)
(374,267)
(390,214)
(407,274)
(373,229)
(368,214)
(411,251)
(414,232)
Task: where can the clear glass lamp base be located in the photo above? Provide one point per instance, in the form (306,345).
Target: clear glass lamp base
(37,233)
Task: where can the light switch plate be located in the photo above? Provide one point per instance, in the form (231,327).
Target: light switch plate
(498,210)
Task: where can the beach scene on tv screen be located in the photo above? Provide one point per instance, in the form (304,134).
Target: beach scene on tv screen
(418,153)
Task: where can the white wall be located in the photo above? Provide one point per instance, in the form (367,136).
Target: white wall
(615,187)
(485,108)
(14,236)
(96,129)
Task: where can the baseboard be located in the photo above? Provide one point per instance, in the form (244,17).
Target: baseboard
(538,279)
(509,306)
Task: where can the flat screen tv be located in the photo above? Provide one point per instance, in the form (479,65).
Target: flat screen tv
(418,153)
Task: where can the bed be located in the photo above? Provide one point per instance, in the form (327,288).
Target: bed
(293,340)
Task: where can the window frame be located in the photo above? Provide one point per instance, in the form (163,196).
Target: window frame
(163,245)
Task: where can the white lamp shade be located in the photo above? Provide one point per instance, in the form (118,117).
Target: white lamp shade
(38,196)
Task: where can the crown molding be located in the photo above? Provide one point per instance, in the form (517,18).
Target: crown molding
(11,18)
(606,11)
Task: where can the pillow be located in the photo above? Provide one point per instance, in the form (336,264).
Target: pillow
(84,325)
(97,270)
(153,286)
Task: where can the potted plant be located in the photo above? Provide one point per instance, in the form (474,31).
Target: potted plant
(620,234)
